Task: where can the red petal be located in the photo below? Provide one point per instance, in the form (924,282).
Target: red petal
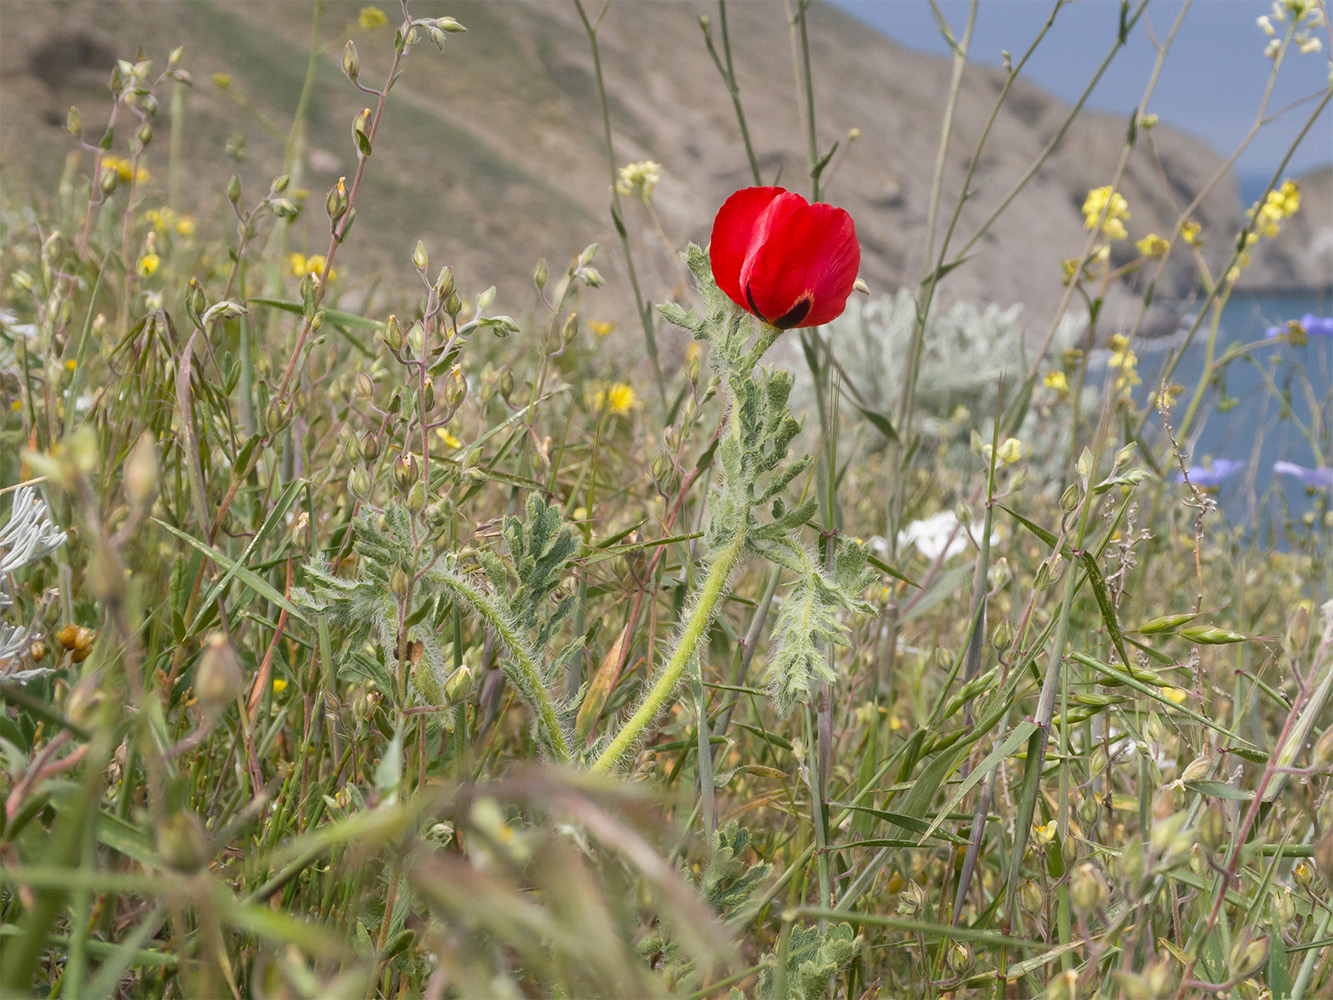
(803,270)
(734,233)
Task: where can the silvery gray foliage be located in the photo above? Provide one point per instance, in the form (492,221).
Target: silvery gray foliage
(966,351)
(29,536)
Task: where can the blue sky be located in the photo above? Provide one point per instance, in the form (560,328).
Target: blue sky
(1211,83)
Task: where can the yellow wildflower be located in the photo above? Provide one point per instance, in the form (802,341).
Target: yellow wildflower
(1010,451)
(1276,206)
(617,398)
(148,264)
(449,440)
(221,80)
(1192,233)
(1110,208)
(1152,245)
(124,169)
(1126,361)
(16,405)
(185,225)
(1045,833)
(371,17)
(1165,397)
(301,265)
(601,327)
(1056,381)
(70,365)
(1173,694)
(279,685)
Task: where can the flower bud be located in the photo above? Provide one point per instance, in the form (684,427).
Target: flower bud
(405,472)
(276,417)
(352,448)
(67,636)
(428,394)
(393,334)
(506,384)
(358,483)
(1088,811)
(1087,889)
(416,337)
(284,208)
(370,446)
(1030,897)
(399,583)
(218,680)
(1212,830)
(1302,873)
(1248,955)
(911,900)
(540,275)
(458,685)
(184,843)
(444,287)
(448,24)
(141,471)
(416,498)
(234,189)
(74,122)
(351,61)
(455,388)
(109,182)
(420,259)
(453,305)
(144,135)
(1002,635)
(1070,498)
(336,202)
(37,651)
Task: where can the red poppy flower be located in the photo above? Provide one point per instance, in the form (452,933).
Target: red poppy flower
(787,261)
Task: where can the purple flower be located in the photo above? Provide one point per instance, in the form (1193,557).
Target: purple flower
(1314,326)
(1310,477)
(1317,326)
(1205,476)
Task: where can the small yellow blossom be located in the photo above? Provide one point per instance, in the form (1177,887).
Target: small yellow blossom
(1056,381)
(1165,397)
(1192,233)
(1126,363)
(221,80)
(601,327)
(1109,208)
(1152,245)
(449,440)
(639,179)
(301,265)
(125,169)
(70,365)
(692,351)
(617,398)
(1276,206)
(371,17)
(148,264)
(1010,451)
(16,405)
(164,219)
(1174,695)
(279,685)
(1045,833)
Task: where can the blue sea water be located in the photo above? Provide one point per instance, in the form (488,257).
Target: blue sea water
(1272,403)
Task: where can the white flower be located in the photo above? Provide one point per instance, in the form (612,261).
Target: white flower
(941,535)
(1266,24)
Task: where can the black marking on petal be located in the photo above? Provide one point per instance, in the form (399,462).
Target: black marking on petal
(796,313)
(750,299)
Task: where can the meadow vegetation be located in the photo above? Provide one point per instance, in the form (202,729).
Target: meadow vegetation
(364,643)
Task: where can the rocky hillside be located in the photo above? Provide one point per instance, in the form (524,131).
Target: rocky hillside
(493,153)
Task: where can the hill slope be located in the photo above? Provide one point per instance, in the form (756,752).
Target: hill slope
(493,154)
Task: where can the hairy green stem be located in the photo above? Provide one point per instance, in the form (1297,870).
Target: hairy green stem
(528,678)
(705,609)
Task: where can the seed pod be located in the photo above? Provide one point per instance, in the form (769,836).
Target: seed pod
(393,334)
(405,472)
(455,388)
(351,61)
(370,447)
(358,483)
(218,680)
